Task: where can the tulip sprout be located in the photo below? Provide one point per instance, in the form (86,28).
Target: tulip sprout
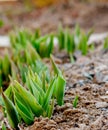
(36,98)
(72,42)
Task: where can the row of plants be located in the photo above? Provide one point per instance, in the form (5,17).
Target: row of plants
(31,87)
(44,45)
(75,41)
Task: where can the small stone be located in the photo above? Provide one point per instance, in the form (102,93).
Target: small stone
(106,92)
(64,107)
(101,104)
(105,79)
(52,122)
(104,98)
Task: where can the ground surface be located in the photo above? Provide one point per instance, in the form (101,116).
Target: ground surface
(87,77)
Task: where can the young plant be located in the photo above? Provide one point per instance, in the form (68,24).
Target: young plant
(69,44)
(60,83)
(23,59)
(75,102)
(105,43)
(73,42)
(83,45)
(11,111)
(37,99)
(26,104)
(3,126)
(81,40)
(61,38)
(66,41)
(42,44)
(77,34)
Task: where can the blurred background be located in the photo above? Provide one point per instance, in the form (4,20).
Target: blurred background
(48,14)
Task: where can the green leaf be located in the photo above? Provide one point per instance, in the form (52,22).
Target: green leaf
(60,88)
(77,30)
(41,92)
(39,41)
(89,33)
(6,65)
(33,89)
(48,95)
(77,35)
(8,92)
(37,33)
(4,126)
(23,108)
(61,36)
(34,82)
(43,82)
(66,40)
(71,58)
(83,44)
(75,102)
(50,108)
(35,77)
(106,43)
(22,38)
(55,68)
(34,105)
(50,45)
(23,71)
(14,70)
(1,23)
(12,114)
(33,53)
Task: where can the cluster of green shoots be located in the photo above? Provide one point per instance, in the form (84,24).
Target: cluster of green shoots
(71,42)
(42,44)
(25,57)
(36,98)
(17,65)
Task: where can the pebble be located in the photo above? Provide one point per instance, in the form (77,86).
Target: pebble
(64,107)
(104,98)
(106,92)
(101,104)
